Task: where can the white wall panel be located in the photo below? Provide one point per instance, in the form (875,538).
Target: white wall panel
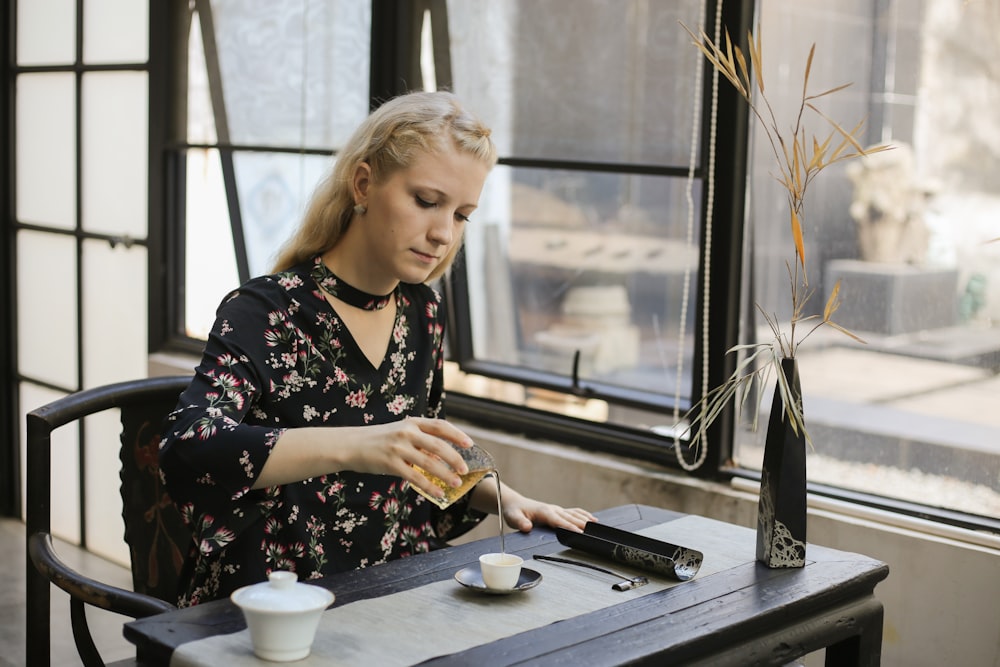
(47,308)
(114,160)
(115,31)
(45,155)
(115,313)
(105,527)
(46,32)
(64,477)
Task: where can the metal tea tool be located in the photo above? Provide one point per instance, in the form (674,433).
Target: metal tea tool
(627,583)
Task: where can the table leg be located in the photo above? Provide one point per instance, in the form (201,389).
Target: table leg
(864,648)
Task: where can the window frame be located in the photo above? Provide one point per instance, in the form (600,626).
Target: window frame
(726,243)
(10,468)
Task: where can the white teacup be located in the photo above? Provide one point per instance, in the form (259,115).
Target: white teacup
(500,570)
(282,615)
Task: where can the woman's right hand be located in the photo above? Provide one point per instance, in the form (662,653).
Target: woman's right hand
(390,449)
(397,447)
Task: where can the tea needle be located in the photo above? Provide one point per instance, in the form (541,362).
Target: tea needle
(628,584)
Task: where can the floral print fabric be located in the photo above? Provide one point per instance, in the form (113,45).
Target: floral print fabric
(278,357)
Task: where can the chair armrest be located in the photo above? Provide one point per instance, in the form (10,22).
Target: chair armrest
(89,591)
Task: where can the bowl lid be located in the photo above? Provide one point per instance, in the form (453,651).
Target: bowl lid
(282,593)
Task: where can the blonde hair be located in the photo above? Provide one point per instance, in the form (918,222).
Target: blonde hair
(390,139)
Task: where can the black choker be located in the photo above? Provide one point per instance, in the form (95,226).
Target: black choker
(337,288)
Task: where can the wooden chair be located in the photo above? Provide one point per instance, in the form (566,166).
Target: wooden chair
(157,538)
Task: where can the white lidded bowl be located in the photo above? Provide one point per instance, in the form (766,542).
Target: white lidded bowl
(282,615)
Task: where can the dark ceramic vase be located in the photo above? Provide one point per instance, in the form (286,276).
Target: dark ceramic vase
(781,512)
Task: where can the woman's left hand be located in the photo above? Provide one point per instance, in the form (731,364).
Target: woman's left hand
(523,513)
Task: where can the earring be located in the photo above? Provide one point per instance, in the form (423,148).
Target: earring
(360,209)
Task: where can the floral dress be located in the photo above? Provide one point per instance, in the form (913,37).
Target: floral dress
(278,357)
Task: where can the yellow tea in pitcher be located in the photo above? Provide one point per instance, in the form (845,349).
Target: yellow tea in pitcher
(480,464)
(451,493)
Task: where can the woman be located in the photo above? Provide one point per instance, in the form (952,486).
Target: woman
(321,385)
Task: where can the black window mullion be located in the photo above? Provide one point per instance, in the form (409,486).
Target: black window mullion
(395,49)
(10,467)
(78,206)
(678,171)
(441,42)
(235,214)
(166,101)
(728,215)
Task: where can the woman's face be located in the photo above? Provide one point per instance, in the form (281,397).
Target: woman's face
(416,216)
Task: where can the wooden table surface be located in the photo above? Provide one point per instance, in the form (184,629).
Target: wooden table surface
(745,615)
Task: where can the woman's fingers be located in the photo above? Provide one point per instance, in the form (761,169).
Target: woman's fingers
(442,440)
(426,482)
(417,446)
(577,518)
(581,514)
(574,518)
(437,467)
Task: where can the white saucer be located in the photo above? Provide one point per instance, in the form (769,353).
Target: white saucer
(472,577)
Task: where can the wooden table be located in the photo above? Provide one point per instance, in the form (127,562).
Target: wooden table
(745,615)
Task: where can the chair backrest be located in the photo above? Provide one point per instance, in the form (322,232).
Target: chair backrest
(157,538)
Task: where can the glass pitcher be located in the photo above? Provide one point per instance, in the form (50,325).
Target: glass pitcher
(480,463)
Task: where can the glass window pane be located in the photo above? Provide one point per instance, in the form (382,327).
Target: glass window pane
(46,149)
(209,259)
(560,262)
(908,232)
(115,31)
(597,264)
(46,308)
(274,189)
(589,80)
(46,32)
(200,121)
(115,299)
(115,160)
(295,77)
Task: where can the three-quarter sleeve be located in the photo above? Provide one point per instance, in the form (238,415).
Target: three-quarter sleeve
(212,454)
